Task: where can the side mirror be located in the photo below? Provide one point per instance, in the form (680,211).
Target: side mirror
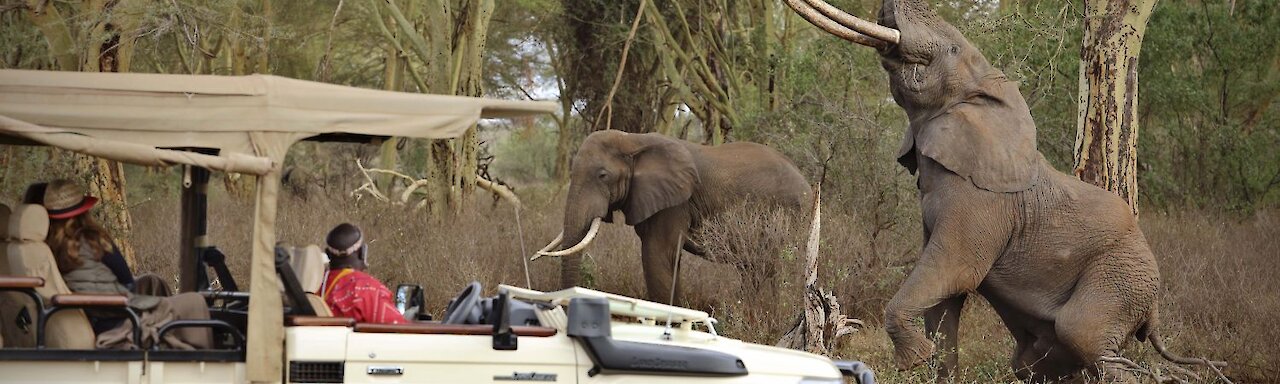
(409,302)
(503,338)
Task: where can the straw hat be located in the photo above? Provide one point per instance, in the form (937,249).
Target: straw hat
(65,199)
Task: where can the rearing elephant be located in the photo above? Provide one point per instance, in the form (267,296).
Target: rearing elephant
(664,187)
(1063,262)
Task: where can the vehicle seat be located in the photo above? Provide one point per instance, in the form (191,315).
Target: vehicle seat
(302,275)
(9,301)
(29,256)
(309,263)
(12,320)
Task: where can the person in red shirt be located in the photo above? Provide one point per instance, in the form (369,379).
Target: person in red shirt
(347,289)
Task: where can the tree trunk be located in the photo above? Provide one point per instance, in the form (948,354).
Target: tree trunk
(393,69)
(452,64)
(1107,119)
(48,19)
(238,57)
(110,49)
(106,45)
(820,325)
(468,80)
(568,126)
(264,58)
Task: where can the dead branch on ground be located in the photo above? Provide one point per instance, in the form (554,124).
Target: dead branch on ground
(821,325)
(413,185)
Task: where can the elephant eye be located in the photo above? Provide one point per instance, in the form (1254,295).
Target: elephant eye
(603,174)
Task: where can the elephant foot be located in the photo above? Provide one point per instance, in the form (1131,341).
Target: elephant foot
(912,351)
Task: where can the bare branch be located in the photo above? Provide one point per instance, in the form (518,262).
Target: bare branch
(631,36)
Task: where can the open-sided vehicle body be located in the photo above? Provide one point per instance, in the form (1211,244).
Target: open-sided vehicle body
(574,335)
(276,331)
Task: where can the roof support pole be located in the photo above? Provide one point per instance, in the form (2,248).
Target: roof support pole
(265,355)
(195,208)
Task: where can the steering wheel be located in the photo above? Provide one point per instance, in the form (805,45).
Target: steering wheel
(463,309)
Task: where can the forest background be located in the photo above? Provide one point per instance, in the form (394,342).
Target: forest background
(709,71)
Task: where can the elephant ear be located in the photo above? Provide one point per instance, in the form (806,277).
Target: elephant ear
(663,175)
(984,139)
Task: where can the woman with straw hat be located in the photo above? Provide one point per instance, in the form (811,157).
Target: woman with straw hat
(87,258)
(91,263)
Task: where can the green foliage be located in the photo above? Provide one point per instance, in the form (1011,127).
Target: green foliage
(25,48)
(1210,76)
(524,157)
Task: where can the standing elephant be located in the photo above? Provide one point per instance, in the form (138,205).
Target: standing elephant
(1061,261)
(664,187)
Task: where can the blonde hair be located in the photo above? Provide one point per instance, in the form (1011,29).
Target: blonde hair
(65,236)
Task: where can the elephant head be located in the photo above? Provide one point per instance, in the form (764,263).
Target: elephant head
(964,113)
(638,174)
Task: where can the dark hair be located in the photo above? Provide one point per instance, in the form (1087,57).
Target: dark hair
(34,193)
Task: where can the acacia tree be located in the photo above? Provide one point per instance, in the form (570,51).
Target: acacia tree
(1107,120)
(99,36)
(716,59)
(447,37)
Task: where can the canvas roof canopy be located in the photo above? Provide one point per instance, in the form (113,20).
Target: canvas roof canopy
(250,121)
(250,115)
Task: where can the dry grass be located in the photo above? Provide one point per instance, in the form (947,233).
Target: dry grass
(1221,288)
(1221,295)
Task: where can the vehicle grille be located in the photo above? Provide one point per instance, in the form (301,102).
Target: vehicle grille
(315,371)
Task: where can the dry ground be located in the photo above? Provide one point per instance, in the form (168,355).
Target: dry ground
(1221,294)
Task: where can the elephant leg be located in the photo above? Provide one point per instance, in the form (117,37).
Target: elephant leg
(661,240)
(1109,303)
(956,259)
(1041,358)
(1024,357)
(942,325)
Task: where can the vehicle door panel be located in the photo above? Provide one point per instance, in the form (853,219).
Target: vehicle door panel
(434,358)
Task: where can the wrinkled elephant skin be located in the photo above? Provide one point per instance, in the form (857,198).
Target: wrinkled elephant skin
(1061,261)
(665,187)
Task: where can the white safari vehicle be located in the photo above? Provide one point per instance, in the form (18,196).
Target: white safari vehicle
(276,330)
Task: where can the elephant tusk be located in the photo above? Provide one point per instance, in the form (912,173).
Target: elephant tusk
(552,244)
(586,240)
(880,32)
(825,23)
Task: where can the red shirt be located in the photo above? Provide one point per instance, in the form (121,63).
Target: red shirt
(355,294)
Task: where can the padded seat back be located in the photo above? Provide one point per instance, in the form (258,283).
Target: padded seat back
(30,256)
(12,304)
(309,263)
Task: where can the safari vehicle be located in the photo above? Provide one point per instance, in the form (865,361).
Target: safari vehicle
(277,331)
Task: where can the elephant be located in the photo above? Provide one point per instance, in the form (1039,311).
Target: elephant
(664,188)
(1062,262)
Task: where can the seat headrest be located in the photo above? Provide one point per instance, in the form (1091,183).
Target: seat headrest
(309,264)
(29,222)
(4,221)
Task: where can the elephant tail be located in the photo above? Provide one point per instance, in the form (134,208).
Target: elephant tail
(1158,344)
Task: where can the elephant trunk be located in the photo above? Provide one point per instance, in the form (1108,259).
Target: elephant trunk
(571,264)
(581,223)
